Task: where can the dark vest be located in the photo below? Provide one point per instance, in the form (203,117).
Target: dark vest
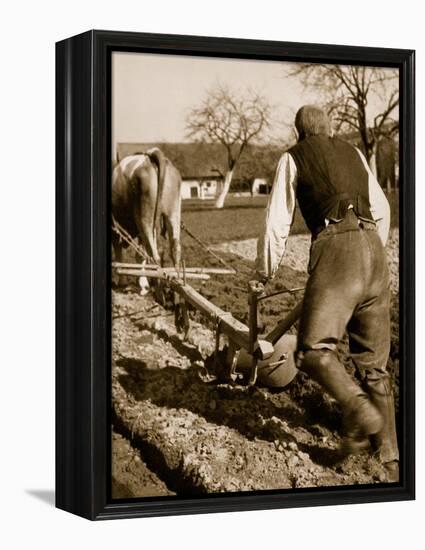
(331,176)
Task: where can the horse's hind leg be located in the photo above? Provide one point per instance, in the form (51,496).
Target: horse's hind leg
(117,250)
(148,240)
(172,225)
(143,281)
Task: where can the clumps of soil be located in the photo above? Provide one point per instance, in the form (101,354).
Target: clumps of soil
(203,436)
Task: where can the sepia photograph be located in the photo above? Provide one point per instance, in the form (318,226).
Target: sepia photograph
(255,275)
(212,235)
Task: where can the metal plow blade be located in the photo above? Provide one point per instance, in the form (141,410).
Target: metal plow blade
(279,369)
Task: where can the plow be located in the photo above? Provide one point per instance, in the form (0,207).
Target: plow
(249,357)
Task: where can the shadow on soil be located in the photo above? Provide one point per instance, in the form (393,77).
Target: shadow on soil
(253,412)
(155,461)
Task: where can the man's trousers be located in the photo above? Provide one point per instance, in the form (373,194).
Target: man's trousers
(348,290)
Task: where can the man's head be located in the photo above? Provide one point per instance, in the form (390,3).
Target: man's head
(311,120)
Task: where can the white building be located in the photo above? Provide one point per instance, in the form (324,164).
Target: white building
(199,188)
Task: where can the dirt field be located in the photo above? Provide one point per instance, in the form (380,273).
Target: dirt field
(194,435)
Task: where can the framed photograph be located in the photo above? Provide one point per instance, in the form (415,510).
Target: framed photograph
(235,274)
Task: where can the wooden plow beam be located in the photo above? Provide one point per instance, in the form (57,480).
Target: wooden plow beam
(153,267)
(241,337)
(161,274)
(237,332)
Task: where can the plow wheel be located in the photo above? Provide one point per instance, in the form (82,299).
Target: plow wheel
(278,370)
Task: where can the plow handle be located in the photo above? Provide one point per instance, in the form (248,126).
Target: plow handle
(255,291)
(285,324)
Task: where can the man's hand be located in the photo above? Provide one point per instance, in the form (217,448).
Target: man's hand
(256,287)
(259,278)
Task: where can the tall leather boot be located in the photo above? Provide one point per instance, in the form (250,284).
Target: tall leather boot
(385,441)
(361,417)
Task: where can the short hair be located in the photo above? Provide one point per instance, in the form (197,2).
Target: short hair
(311,120)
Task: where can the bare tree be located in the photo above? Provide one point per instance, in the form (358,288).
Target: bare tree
(347,90)
(232,119)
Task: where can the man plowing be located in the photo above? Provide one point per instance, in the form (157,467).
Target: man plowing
(348,287)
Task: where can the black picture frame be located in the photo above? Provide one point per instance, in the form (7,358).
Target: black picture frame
(83,172)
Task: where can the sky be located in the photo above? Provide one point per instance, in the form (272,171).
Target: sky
(152,94)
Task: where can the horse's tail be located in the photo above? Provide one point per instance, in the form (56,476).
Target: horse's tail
(158,157)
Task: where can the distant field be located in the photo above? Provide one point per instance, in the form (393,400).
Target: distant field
(242,218)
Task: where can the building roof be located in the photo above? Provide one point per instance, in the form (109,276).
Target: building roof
(209,160)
